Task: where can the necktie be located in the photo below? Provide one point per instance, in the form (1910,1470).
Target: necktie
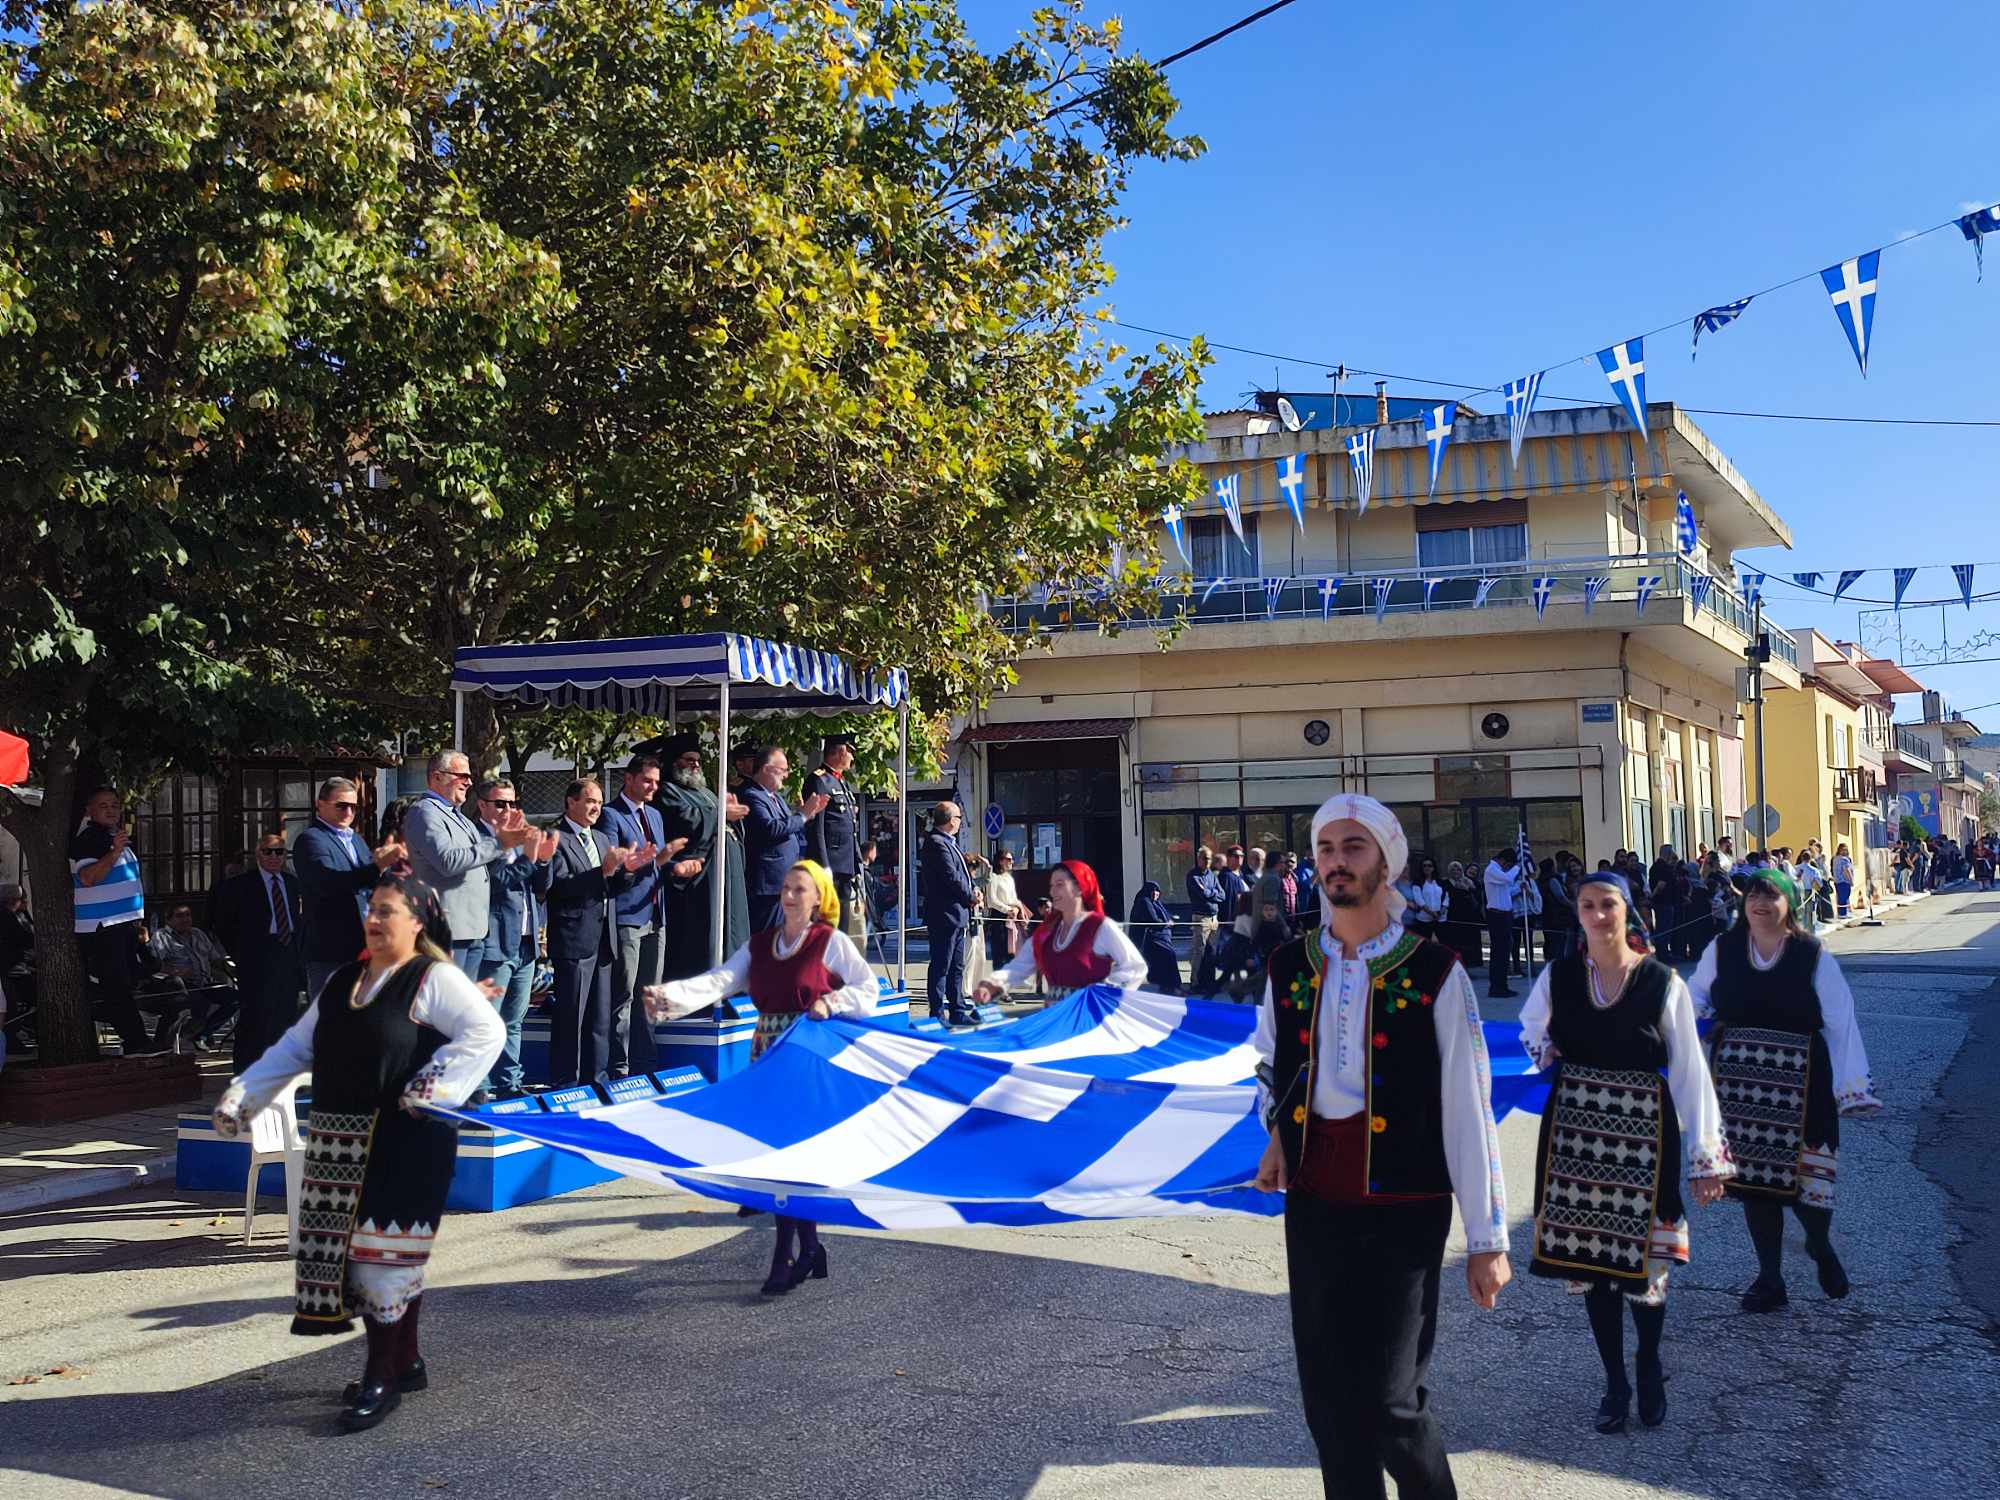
(281,915)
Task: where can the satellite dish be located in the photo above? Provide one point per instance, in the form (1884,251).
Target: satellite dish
(1289,415)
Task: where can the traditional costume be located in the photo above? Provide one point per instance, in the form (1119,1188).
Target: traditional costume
(783,981)
(1609,1219)
(1070,956)
(1788,1063)
(1379,1093)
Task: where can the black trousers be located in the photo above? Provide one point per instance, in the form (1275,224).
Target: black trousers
(1364,1281)
(111,960)
(946,982)
(580,1029)
(1500,934)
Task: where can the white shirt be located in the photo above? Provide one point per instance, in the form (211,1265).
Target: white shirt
(1471,1143)
(1688,1082)
(1426,901)
(856,996)
(1128,969)
(1500,886)
(1853,1089)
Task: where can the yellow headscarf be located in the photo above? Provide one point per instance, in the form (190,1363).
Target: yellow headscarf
(829,898)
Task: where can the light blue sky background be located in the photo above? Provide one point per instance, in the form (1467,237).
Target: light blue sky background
(1470,192)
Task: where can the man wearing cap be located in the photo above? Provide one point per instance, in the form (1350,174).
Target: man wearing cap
(690,810)
(834,837)
(1378,1096)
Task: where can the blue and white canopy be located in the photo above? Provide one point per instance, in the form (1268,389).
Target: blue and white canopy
(637,674)
(1107,1105)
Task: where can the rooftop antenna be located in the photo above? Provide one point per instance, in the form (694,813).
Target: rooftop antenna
(1289,415)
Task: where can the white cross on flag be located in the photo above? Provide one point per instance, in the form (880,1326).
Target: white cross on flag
(1520,398)
(1963,573)
(1329,590)
(1213,585)
(1592,587)
(1686,532)
(1646,583)
(1430,588)
(1382,587)
(1361,458)
(1903,577)
(1437,434)
(1851,284)
(1225,496)
(1753,588)
(1274,590)
(1543,587)
(1698,587)
(1625,367)
(1485,588)
(1176,529)
(1292,485)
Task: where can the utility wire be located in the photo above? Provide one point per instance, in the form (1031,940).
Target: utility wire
(1230,30)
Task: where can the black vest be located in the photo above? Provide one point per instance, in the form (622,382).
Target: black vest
(1624,1035)
(1783,998)
(363,1058)
(1402,1073)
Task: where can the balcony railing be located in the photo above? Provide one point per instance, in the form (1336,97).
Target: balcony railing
(1856,786)
(1912,746)
(1407,591)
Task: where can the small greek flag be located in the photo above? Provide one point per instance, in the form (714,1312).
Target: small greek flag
(1430,588)
(1975,226)
(1903,577)
(1520,397)
(1963,573)
(1213,585)
(1592,587)
(1806,580)
(1847,581)
(1225,495)
(1382,586)
(1851,284)
(1292,485)
(1177,529)
(1644,587)
(1714,320)
(1274,590)
(1685,529)
(1753,588)
(1625,367)
(1361,458)
(1698,587)
(1437,434)
(1485,588)
(1329,590)
(1543,588)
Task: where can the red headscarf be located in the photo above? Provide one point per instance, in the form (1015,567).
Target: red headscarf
(1093,913)
(1086,884)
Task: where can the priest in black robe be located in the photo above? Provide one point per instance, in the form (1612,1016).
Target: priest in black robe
(691,810)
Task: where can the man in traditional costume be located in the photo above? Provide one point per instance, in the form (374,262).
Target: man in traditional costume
(690,810)
(1378,1091)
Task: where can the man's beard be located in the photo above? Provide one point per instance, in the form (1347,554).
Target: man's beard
(1363,887)
(691,778)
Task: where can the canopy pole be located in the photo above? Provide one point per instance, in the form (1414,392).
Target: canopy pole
(718,875)
(903,847)
(673,712)
(458,721)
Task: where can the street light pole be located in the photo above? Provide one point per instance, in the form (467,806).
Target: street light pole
(1757,653)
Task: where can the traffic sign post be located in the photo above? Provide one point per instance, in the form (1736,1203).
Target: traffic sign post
(994,821)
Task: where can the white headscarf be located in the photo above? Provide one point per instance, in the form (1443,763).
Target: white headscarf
(1387,831)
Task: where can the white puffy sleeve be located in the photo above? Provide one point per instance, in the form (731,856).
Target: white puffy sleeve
(1702,981)
(858,991)
(1471,1141)
(1128,969)
(285,1059)
(683,997)
(448,1001)
(1019,971)
(1853,1089)
(1535,1022)
(1692,1089)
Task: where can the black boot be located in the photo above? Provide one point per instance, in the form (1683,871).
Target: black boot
(1818,1225)
(408,1364)
(1651,1322)
(779,1281)
(1607,1326)
(811,1263)
(378,1395)
(1766,1223)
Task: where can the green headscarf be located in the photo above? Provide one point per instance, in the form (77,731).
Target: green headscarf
(1778,880)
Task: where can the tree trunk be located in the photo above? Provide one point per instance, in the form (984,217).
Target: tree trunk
(64,1030)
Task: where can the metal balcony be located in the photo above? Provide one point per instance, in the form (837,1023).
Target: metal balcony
(1856,787)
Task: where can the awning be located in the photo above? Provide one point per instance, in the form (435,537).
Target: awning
(1891,678)
(636,675)
(13,759)
(1045,729)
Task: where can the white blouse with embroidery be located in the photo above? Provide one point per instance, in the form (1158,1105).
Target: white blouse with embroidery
(1128,969)
(856,996)
(1853,1089)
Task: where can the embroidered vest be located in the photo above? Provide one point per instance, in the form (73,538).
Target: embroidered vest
(1401,1075)
(1076,965)
(1627,1034)
(786,986)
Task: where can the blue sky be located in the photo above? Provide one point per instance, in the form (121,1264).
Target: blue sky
(1471,192)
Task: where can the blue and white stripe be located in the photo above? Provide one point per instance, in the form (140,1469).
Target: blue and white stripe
(119,897)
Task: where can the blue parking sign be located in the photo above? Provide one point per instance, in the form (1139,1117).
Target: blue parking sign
(995,820)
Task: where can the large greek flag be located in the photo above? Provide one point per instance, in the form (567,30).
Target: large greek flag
(1106,1105)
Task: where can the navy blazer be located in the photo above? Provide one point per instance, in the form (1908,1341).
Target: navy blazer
(947,891)
(773,840)
(514,916)
(243,925)
(640,902)
(334,881)
(580,895)
(834,837)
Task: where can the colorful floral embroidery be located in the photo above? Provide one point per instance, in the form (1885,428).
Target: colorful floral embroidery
(1299,1115)
(1378,1124)
(1381,1039)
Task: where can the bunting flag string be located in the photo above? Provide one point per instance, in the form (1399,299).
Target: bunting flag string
(1592,587)
(1292,485)
(1329,591)
(1851,284)
(1697,589)
(1213,585)
(1177,529)
(1975,226)
(1715,320)
(1437,434)
(1644,587)
(1274,590)
(1520,397)
(1361,458)
(1847,581)
(1382,586)
(1543,587)
(1686,531)
(1625,367)
(1903,577)
(1225,494)
(1430,588)
(1485,588)
(1753,588)
(1806,580)
(1963,573)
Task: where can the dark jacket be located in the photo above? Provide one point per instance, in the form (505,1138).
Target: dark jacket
(834,837)
(336,871)
(773,839)
(580,893)
(243,925)
(1151,930)
(945,885)
(514,915)
(639,903)
(1204,893)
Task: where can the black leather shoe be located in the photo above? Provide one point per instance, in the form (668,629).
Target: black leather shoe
(778,1282)
(371,1404)
(416,1378)
(1833,1277)
(1763,1297)
(1611,1411)
(809,1267)
(1652,1395)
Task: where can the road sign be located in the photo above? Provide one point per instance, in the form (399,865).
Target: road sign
(1760,820)
(995,820)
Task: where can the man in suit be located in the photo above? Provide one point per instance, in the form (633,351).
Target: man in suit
(773,833)
(449,852)
(585,872)
(258,918)
(630,821)
(834,837)
(689,811)
(520,881)
(336,871)
(948,898)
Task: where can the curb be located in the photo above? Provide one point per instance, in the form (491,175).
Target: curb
(85,1182)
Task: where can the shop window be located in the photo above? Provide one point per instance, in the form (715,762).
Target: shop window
(1472,778)
(1469,546)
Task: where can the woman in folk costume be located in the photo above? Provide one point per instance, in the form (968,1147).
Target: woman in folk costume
(1788,1064)
(803,967)
(399,1029)
(1079,948)
(1608,1212)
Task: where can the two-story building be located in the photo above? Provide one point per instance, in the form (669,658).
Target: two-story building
(1945,797)
(1526,647)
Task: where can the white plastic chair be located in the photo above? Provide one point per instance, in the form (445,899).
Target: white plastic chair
(274,1137)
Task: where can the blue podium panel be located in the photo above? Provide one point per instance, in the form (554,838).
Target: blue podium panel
(205,1162)
(576,1096)
(717,1041)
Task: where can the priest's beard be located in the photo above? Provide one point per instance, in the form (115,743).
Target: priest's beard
(692,779)
(1362,888)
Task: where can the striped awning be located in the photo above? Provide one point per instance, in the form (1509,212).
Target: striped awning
(637,675)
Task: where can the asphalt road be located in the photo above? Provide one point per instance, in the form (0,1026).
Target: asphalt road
(610,1342)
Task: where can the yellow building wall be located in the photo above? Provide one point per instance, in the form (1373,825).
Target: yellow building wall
(1799,769)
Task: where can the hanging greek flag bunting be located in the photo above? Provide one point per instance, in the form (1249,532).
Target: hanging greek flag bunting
(1903,577)
(1976,226)
(1847,581)
(1329,590)
(1543,587)
(1806,580)
(1177,529)
(1686,532)
(1520,397)
(1643,589)
(1382,586)
(1963,573)
(1274,590)
(1225,495)
(1430,588)
(1292,485)
(1437,434)
(1851,284)
(1698,587)
(1753,588)
(1485,588)
(1715,320)
(1625,367)
(1213,585)
(1361,458)
(1592,587)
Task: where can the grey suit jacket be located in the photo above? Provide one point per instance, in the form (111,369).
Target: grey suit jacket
(450,852)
